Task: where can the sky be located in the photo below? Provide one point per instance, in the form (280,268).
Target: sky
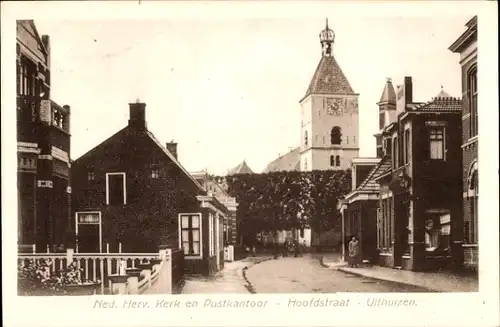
(229,90)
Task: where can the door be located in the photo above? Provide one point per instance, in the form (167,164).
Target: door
(88,238)
(88,232)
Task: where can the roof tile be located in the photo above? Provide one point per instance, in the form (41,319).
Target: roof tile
(329,79)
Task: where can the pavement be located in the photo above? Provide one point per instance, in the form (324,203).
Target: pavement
(433,281)
(231,279)
(440,281)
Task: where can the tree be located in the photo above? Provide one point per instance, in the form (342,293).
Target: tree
(288,200)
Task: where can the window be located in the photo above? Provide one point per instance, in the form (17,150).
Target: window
(155,173)
(395,153)
(116,189)
(336,136)
(306,139)
(305,164)
(332,160)
(190,238)
(347,140)
(436,143)
(90,176)
(88,217)
(437,232)
(473,196)
(472,96)
(407,146)
(337,161)
(388,146)
(27,78)
(381,122)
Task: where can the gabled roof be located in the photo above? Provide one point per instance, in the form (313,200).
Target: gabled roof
(369,184)
(467,37)
(388,94)
(437,104)
(31,24)
(118,135)
(242,168)
(328,79)
(287,162)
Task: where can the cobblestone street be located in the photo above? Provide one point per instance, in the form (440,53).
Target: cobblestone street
(307,275)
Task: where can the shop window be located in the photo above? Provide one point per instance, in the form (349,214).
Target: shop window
(437,232)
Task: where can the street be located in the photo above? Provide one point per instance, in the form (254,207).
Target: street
(287,275)
(306,275)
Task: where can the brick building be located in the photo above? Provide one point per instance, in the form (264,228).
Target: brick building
(43,148)
(359,207)
(131,194)
(420,212)
(466,46)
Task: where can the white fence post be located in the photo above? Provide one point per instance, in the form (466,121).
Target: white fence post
(69,256)
(168,271)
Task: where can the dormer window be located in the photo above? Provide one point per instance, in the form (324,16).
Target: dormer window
(155,173)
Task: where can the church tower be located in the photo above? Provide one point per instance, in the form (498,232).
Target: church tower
(329,111)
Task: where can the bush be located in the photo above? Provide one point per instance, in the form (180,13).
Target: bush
(35,277)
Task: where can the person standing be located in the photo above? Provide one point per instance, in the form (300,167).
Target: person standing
(354,252)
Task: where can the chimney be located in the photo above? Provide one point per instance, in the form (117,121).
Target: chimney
(408,90)
(137,118)
(172,148)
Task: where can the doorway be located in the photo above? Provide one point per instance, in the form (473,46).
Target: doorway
(89,232)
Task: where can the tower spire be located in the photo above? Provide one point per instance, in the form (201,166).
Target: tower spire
(326,38)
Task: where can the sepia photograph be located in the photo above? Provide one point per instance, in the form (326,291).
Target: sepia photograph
(178,156)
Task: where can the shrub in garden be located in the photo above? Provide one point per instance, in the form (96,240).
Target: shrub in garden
(35,277)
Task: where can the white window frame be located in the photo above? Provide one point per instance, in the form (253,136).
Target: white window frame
(98,223)
(124,186)
(210,234)
(179,223)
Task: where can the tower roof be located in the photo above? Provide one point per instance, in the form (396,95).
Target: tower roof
(329,79)
(388,95)
(242,168)
(443,94)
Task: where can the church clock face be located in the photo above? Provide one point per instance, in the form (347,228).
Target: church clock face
(334,106)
